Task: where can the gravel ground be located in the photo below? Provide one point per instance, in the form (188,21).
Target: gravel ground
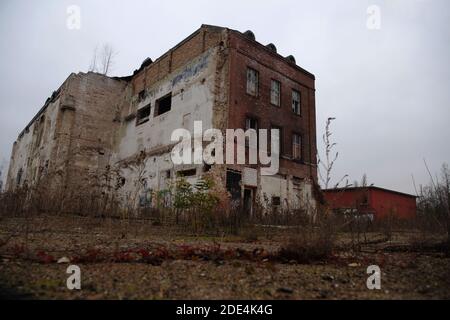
(405,275)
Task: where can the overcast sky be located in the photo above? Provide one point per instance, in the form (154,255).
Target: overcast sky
(387,87)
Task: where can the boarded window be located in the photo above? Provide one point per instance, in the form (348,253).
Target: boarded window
(143,115)
(296,146)
(296,102)
(252,81)
(275,93)
(163,104)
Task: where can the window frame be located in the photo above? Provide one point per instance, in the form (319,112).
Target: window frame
(272,81)
(256,93)
(256,120)
(300,136)
(251,118)
(143,120)
(295,91)
(157,112)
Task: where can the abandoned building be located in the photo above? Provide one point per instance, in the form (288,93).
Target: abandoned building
(373,202)
(94,125)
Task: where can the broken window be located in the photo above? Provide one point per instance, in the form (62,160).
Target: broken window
(296,146)
(163,104)
(252,82)
(275,90)
(296,102)
(143,115)
(187,173)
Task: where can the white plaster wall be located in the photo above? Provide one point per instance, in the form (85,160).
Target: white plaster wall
(192,100)
(293,196)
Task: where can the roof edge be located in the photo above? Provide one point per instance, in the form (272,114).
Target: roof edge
(370,188)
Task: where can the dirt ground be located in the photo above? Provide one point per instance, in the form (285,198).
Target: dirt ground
(137,260)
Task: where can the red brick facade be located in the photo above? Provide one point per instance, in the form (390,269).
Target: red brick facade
(245,53)
(373,200)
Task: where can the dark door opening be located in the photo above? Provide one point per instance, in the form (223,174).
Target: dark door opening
(234,184)
(248,201)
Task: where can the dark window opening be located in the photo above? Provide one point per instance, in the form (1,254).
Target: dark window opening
(143,115)
(19,176)
(233,184)
(276,201)
(163,104)
(142,95)
(168,174)
(187,173)
(296,102)
(250,123)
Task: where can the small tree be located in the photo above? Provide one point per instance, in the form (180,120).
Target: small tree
(330,158)
(434,199)
(103,61)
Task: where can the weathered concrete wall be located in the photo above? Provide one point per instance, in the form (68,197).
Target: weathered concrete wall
(90,118)
(32,154)
(72,136)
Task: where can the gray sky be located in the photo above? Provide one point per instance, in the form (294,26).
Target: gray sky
(388,88)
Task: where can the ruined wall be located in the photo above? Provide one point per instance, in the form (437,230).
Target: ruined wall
(90,118)
(32,157)
(69,141)
(191,74)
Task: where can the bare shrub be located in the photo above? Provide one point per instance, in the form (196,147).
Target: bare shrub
(312,242)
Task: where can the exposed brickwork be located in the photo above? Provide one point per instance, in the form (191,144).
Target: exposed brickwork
(247,53)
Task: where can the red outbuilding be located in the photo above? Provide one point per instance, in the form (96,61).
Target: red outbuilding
(374,201)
